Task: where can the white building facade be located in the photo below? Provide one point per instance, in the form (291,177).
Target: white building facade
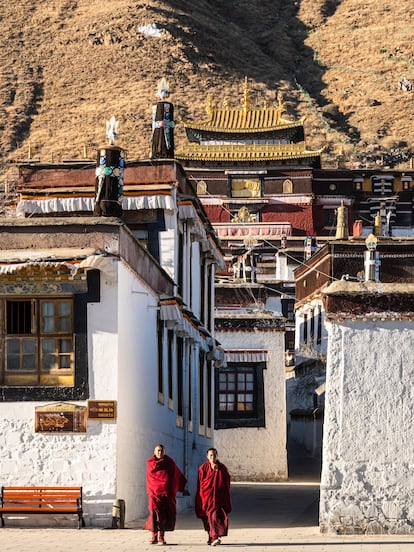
(129,330)
(250,418)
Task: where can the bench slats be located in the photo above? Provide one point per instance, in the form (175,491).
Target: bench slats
(42,500)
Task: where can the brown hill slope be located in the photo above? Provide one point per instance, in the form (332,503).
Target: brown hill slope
(68,65)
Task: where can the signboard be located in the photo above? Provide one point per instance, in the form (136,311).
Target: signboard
(60,418)
(102,410)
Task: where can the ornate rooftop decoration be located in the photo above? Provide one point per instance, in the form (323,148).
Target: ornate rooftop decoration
(236,153)
(112,130)
(246,96)
(243,215)
(244,118)
(163,89)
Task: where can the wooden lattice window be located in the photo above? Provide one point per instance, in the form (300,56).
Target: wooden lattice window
(37,342)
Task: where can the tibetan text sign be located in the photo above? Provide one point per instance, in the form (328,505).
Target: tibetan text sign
(102,410)
(60,418)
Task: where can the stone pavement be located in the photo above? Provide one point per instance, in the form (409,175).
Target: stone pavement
(278,517)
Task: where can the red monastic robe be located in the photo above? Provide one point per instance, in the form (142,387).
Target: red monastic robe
(164,480)
(213,499)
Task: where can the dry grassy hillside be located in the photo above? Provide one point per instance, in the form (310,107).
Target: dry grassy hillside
(68,65)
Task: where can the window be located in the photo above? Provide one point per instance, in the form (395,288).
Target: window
(43,344)
(236,390)
(201,390)
(319,329)
(240,397)
(312,329)
(38,342)
(170,369)
(142,237)
(180,377)
(287,186)
(330,218)
(190,390)
(160,326)
(209,394)
(305,329)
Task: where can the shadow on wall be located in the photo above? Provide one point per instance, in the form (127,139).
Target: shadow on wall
(305,448)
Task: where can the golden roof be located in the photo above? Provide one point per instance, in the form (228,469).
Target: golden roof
(244,118)
(249,152)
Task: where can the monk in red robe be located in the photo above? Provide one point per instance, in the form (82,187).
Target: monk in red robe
(213,499)
(164,480)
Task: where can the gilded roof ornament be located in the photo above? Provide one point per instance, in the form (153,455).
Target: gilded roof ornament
(243,215)
(244,118)
(163,89)
(246,96)
(281,103)
(209,105)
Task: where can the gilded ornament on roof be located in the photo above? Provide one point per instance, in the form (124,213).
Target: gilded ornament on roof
(210,105)
(243,215)
(246,97)
(280,101)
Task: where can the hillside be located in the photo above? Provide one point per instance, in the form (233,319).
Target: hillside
(68,65)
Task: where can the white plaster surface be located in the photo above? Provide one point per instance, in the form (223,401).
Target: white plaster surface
(367,475)
(258,453)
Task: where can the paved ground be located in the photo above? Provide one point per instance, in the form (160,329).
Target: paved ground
(266,518)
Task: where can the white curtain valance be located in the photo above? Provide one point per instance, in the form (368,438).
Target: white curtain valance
(249,356)
(65,204)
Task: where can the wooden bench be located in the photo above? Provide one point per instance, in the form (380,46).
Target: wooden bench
(42,500)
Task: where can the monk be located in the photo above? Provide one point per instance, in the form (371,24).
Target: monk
(213,499)
(164,480)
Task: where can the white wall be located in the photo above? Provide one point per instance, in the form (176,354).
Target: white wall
(367,477)
(142,420)
(86,459)
(258,453)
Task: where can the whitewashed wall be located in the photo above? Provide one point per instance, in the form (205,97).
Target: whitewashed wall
(87,459)
(109,460)
(238,447)
(367,475)
(143,421)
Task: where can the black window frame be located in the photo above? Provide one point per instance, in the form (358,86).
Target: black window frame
(80,389)
(233,419)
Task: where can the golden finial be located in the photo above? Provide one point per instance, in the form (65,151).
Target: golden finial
(225,103)
(280,101)
(209,105)
(246,96)
(341,157)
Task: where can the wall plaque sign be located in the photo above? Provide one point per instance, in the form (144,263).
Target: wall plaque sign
(60,418)
(102,410)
